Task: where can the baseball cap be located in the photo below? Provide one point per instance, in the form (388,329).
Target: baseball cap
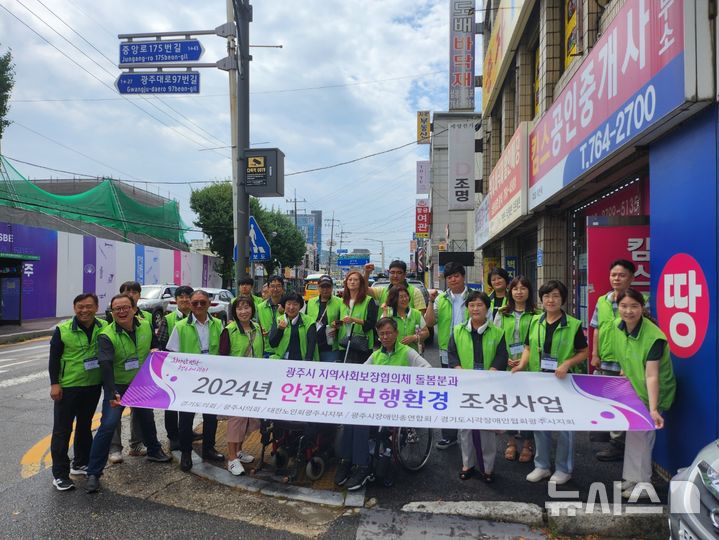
(324,280)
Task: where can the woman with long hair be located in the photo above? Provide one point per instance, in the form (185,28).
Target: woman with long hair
(358,316)
(411,325)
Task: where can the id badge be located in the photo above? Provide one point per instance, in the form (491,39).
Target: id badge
(204,351)
(319,326)
(549,363)
(91,363)
(516,349)
(132,363)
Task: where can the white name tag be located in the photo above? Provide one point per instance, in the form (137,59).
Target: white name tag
(548,363)
(91,363)
(516,348)
(132,363)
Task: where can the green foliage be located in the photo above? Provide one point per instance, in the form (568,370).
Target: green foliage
(7,81)
(213,206)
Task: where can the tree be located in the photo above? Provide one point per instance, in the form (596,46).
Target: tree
(7,81)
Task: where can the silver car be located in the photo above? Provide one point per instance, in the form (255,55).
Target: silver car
(694,497)
(220,303)
(156,299)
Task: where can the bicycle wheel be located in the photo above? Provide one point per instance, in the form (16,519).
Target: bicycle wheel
(412,447)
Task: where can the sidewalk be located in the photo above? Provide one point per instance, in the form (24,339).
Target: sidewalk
(31,329)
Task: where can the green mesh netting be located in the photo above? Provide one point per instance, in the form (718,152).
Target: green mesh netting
(104,204)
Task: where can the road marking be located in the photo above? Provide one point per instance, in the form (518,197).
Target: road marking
(25,349)
(24,379)
(18,363)
(38,457)
(31,358)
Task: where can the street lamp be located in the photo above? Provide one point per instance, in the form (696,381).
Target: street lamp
(382,244)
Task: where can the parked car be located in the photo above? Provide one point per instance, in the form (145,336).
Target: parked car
(156,299)
(220,303)
(418,285)
(694,497)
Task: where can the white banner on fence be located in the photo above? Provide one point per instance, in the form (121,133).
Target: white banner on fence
(385,395)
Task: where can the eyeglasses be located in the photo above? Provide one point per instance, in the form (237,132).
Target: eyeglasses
(385,334)
(121,309)
(198,303)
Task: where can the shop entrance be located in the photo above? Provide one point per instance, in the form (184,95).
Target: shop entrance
(10,291)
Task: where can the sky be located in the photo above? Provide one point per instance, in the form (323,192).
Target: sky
(346,83)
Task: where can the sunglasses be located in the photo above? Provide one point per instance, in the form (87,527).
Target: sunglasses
(199,303)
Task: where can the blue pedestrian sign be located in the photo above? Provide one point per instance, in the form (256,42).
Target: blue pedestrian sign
(179,82)
(353,260)
(259,246)
(184,50)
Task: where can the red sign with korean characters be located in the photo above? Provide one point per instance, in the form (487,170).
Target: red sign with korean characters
(508,184)
(633,78)
(683,304)
(423,217)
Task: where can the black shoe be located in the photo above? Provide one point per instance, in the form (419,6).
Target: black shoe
(343,472)
(186,461)
(599,436)
(174,444)
(212,455)
(611,453)
(196,435)
(63,484)
(93,484)
(445,443)
(358,479)
(158,456)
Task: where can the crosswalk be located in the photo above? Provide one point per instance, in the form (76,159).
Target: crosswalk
(23,363)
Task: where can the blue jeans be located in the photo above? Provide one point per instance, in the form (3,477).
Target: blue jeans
(564,458)
(329,356)
(111,417)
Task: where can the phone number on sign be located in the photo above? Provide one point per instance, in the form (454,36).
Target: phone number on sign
(638,113)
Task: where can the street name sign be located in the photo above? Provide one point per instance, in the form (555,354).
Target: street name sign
(178,82)
(184,50)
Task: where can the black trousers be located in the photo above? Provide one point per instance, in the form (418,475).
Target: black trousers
(449,434)
(209,430)
(78,403)
(172,425)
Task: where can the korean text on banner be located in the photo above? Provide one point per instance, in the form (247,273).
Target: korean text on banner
(461,165)
(423,177)
(461,55)
(481,224)
(508,184)
(423,127)
(385,395)
(633,78)
(423,218)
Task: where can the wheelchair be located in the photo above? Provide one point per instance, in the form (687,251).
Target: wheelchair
(407,447)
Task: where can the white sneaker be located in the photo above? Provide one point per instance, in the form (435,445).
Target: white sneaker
(538,474)
(643,491)
(627,484)
(235,467)
(245,457)
(116,457)
(560,478)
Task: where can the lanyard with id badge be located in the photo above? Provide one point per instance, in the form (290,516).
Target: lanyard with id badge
(90,360)
(547,362)
(132,362)
(516,348)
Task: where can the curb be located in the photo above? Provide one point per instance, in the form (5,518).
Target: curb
(274,489)
(631,521)
(18,337)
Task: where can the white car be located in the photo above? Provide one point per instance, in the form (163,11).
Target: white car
(220,303)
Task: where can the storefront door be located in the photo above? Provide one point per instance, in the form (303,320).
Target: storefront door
(10,292)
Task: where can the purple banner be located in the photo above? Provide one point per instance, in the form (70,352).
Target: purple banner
(88,263)
(205,270)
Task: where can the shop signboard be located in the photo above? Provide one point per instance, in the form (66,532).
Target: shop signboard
(422,177)
(423,217)
(423,127)
(460,194)
(634,78)
(461,54)
(481,224)
(508,184)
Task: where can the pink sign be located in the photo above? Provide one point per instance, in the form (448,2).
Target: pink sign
(507,183)
(683,304)
(177,270)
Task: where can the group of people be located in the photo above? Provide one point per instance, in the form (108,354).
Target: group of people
(503,331)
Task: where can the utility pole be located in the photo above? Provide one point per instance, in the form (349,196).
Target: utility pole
(332,241)
(240,115)
(295,201)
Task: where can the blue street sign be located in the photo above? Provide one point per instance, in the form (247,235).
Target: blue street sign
(341,251)
(176,82)
(259,246)
(353,261)
(185,50)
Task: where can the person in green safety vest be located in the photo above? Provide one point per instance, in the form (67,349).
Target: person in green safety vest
(353,470)
(268,311)
(642,351)
(198,333)
(621,275)
(123,346)
(358,317)
(242,337)
(167,326)
(499,280)
(324,310)
(514,319)
(75,386)
(397,276)
(411,325)
(554,345)
(244,288)
(293,335)
(477,344)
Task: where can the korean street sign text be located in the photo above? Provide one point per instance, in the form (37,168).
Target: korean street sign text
(423,218)
(461,54)
(186,50)
(180,82)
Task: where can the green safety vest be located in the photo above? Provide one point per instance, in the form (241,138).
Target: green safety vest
(444,319)
(172,319)
(631,352)
(492,299)
(126,349)
(144,314)
(385,293)
(407,326)
(465,346)
(266,316)
(510,329)
(334,306)
(76,350)
(303,326)
(359,311)
(190,340)
(398,357)
(240,342)
(562,341)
